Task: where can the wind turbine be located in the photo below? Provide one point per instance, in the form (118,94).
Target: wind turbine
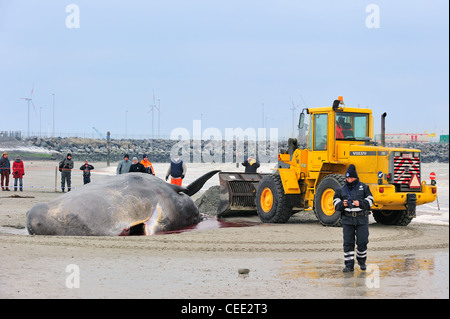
(29,100)
(293,116)
(152,109)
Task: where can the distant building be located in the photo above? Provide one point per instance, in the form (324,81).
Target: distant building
(10,135)
(407,137)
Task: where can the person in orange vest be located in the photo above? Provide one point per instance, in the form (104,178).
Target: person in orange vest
(177,170)
(148,165)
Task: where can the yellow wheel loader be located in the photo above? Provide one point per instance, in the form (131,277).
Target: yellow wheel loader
(306,179)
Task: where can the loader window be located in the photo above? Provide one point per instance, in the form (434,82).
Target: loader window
(320,132)
(352,126)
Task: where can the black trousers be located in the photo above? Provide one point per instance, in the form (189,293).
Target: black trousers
(355,230)
(66,177)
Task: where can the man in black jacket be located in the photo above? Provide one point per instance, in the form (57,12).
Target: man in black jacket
(354,200)
(137,167)
(250,165)
(86,168)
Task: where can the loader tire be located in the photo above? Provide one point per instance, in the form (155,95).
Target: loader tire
(271,204)
(392,217)
(323,200)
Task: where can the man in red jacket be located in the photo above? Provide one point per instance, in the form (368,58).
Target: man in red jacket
(18,172)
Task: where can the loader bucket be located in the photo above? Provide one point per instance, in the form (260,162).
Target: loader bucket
(237,192)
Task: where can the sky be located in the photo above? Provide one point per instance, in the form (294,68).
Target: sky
(228,63)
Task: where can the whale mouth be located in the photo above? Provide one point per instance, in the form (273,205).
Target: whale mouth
(145,227)
(138,228)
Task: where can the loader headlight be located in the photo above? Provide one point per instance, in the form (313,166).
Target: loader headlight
(397,154)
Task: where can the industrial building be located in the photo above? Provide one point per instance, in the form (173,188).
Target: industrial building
(407,137)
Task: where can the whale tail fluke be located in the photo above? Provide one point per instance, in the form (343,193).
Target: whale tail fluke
(196,185)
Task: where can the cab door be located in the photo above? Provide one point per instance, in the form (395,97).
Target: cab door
(318,141)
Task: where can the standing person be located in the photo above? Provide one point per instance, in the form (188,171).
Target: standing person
(354,199)
(65,167)
(147,164)
(177,170)
(124,165)
(18,172)
(137,167)
(5,169)
(86,168)
(251,165)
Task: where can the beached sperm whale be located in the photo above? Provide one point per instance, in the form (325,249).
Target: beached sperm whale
(126,204)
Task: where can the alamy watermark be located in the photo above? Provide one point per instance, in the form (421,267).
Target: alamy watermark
(233,145)
(373,19)
(372,276)
(73,19)
(73,279)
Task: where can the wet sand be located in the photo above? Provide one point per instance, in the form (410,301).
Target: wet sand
(300,259)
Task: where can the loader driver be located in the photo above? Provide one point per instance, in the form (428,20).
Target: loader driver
(354,200)
(339,134)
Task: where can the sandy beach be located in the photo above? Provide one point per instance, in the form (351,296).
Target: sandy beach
(300,259)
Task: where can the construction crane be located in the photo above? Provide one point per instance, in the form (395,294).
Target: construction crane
(99,133)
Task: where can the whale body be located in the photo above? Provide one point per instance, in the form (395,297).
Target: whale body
(126,204)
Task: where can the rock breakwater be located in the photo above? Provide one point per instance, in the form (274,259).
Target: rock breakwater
(158,150)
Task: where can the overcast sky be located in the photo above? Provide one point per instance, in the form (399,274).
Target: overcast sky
(221,61)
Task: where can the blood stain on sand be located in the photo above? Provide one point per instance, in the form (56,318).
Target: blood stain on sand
(210,222)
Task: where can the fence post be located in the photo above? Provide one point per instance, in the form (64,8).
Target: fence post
(108,146)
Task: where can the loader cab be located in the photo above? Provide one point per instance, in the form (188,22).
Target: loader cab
(331,128)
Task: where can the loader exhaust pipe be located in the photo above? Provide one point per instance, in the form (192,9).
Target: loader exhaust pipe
(383,129)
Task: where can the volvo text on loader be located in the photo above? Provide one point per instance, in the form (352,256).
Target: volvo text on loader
(306,179)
